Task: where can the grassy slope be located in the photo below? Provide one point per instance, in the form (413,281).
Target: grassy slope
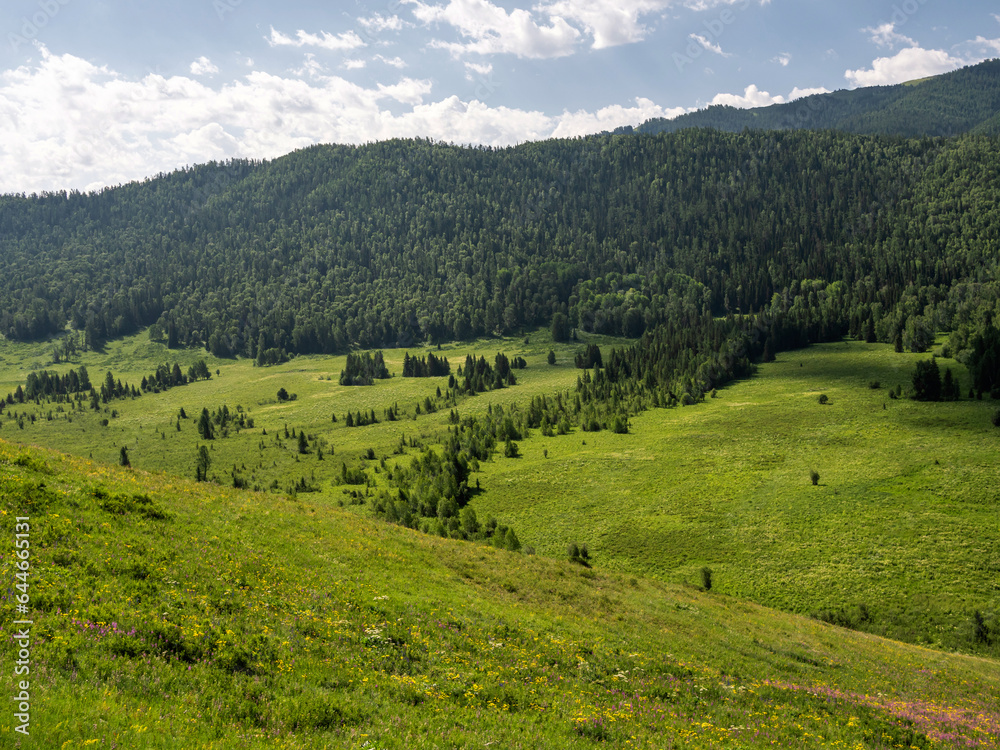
(723,484)
(249,620)
(903,520)
(147,426)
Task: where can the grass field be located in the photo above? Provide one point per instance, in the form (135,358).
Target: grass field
(172,614)
(904,519)
(900,537)
(147,425)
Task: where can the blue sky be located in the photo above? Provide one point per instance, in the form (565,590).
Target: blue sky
(99,93)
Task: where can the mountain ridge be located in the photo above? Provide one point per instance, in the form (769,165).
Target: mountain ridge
(962,101)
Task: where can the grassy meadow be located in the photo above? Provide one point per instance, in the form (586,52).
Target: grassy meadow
(169,614)
(900,536)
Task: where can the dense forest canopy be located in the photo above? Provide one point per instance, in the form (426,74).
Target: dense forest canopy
(401,242)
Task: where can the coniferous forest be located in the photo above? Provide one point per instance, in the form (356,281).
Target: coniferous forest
(823,233)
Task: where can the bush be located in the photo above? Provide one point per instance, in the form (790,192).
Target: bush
(996,418)
(824,399)
(706,578)
(814,477)
(874,385)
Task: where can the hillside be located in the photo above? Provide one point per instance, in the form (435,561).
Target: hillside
(619,233)
(963,101)
(166,612)
(897,539)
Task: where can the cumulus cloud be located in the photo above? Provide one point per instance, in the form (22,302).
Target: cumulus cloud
(68,123)
(552,28)
(754,97)
(343,42)
(783,59)
(885,35)
(609,22)
(581,122)
(203,66)
(489,29)
(798,93)
(906,65)
(354,64)
(706,43)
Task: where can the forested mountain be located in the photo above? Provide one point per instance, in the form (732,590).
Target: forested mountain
(964,101)
(335,247)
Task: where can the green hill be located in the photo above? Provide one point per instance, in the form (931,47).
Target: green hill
(963,101)
(619,233)
(168,614)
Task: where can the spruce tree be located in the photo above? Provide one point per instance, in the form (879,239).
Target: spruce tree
(205,428)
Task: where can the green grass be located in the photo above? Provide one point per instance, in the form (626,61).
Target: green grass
(899,538)
(173,614)
(147,426)
(903,520)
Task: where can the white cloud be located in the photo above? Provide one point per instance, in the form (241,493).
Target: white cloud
(783,59)
(483,69)
(752,97)
(345,41)
(706,43)
(203,66)
(395,62)
(68,123)
(798,93)
(608,118)
(492,30)
(906,65)
(993,44)
(354,64)
(552,28)
(610,22)
(885,35)
(378,23)
(311,67)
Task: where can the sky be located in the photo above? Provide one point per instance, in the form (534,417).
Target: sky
(99,93)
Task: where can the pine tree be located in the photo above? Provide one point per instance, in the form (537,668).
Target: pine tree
(205,428)
(201,467)
(303,442)
(123,457)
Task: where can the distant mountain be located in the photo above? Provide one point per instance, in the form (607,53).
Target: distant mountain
(964,101)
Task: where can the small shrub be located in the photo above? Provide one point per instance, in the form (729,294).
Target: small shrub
(824,399)
(706,578)
(814,477)
(874,385)
(996,418)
